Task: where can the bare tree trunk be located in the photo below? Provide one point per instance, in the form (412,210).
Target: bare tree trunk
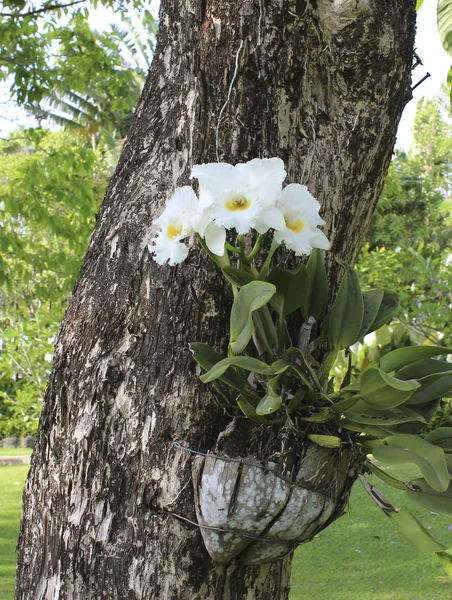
(321,85)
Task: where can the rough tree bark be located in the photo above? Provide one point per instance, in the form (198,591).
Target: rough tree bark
(321,85)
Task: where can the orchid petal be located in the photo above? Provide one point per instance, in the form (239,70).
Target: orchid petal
(215,237)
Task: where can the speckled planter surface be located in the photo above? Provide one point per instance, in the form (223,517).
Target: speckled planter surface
(239,500)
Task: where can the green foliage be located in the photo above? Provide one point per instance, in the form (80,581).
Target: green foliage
(386,406)
(51,186)
(251,297)
(347,313)
(103,107)
(47,46)
(444,17)
(410,246)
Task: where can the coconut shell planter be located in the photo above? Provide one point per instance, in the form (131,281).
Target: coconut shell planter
(260,511)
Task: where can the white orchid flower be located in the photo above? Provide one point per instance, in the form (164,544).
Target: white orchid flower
(301,215)
(239,197)
(175,224)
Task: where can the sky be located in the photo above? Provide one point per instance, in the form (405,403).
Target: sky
(435,61)
(428,47)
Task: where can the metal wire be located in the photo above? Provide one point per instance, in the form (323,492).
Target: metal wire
(233,531)
(303,486)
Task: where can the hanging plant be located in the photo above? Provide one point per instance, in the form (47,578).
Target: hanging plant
(259,507)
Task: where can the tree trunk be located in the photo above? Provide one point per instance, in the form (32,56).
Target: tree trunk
(321,85)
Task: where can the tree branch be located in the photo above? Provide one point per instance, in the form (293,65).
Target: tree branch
(40,10)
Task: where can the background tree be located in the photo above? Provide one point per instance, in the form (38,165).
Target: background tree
(52,185)
(409,247)
(227,83)
(50,189)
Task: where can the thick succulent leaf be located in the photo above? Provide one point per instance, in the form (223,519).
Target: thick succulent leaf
(367,415)
(268,405)
(431,387)
(415,532)
(291,287)
(429,498)
(237,276)
(207,357)
(380,390)
(444,17)
(347,312)
(327,441)
(251,297)
(386,477)
(244,362)
(403,448)
(282,365)
(401,357)
(388,308)
(370,430)
(442,437)
(316,297)
(371,302)
(272,401)
(423,368)
(265,328)
(249,409)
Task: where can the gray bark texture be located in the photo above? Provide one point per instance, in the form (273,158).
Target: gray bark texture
(321,85)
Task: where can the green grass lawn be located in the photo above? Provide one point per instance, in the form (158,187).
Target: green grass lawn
(359,557)
(15,452)
(11,484)
(362,556)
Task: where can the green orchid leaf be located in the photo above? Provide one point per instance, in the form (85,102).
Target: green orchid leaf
(291,286)
(404,448)
(299,398)
(345,403)
(370,430)
(248,408)
(444,18)
(367,415)
(423,368)
(431,387)
(272,401)
(265,328)
(251,297)
(316,297)
(427,410)
(380,390)
(449,463)
(243,362)
(371,302)
(386,477)
(322,416)
(207,358)
(429,498)
(442,437)
(282,365)
(347,313)
(388,308)
(402,357)
(415,532)
(237,276)
(327,441)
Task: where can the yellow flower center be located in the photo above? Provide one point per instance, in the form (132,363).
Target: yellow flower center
(296,227)
(238,203)
(172,231)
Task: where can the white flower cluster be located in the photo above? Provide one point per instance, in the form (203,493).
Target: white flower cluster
(242,197)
